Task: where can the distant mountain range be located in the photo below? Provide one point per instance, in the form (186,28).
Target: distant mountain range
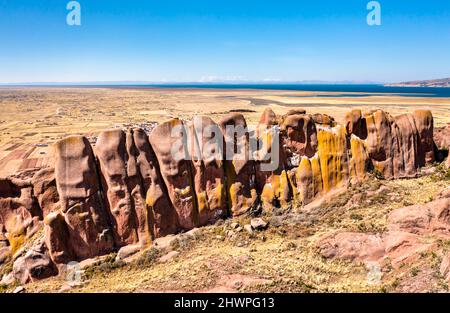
(444,82)
(199,83)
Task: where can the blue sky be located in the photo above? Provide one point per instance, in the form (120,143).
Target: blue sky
(218,40)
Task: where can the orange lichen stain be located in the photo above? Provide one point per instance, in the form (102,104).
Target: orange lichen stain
(358,160)
(202,202)
(316,175)
(277,189)
(219,193)
(332,156)
(16,234)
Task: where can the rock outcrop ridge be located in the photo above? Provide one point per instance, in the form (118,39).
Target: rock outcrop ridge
(130,188)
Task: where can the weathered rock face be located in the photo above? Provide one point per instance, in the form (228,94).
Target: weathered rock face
(78,186)
(45,191)
(170,143)
(136,188)
(356,124)
(359,162)
(399,146)
(19,211)
(208,169)
(160,211)
(271,174)
(333,157)
(441,137)
(114,165)
(299,138)
(239,167)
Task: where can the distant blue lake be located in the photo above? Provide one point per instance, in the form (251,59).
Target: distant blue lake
(345,90)
(352,90)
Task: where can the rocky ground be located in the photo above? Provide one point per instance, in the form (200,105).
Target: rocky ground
(342,244)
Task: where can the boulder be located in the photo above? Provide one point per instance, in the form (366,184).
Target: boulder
(36,264)
(295,112)
(169,256)
(444,269)
(258,223)
(58,239)
(350,246)
(431,218)
(382,144)
(396,247)
(170,143)
(411,232)
(128,251)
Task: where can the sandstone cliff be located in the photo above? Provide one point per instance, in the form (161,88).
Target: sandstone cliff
(130,189)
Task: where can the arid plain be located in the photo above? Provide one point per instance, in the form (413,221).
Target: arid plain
(285,257)
(32,118)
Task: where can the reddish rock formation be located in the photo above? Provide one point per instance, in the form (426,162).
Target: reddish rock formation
(299,138)
(442,137)
(159,207)
(170,143)
(239,167)
(398,146)
(323,119)
(81,202)
(115,163)
(271,175)
(208,170)
(19,211)
(408,235)
(355,124)
(45,191)
(141,187)
(295,112)
(34,265)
